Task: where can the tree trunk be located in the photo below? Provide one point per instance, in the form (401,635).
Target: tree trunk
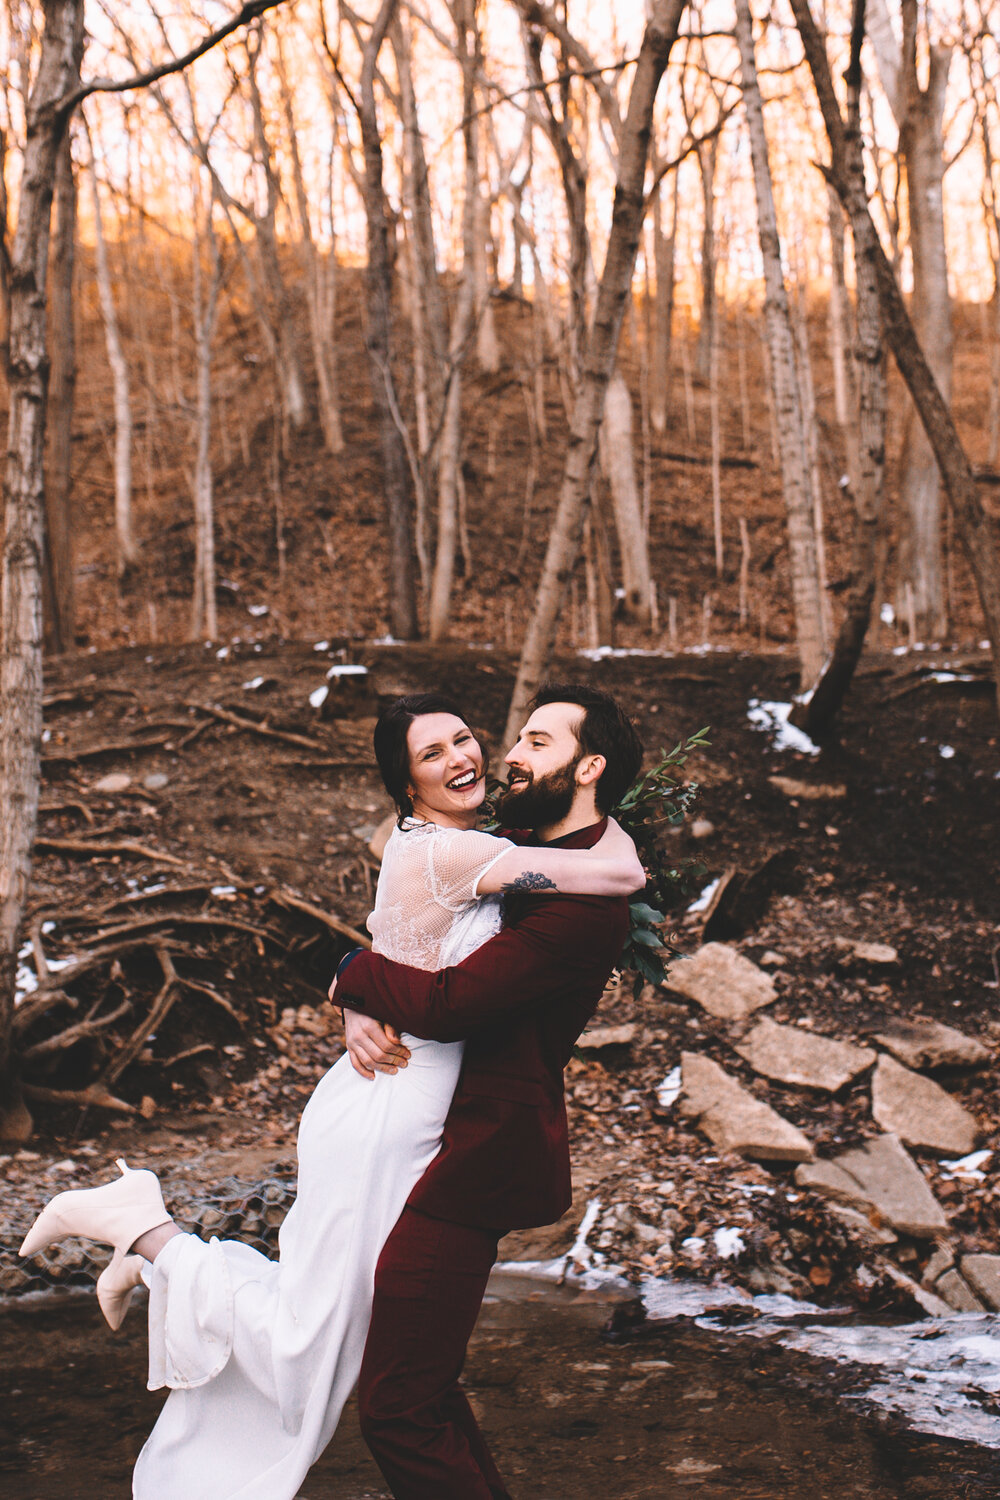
(204,620)
(618,462)
(128,552)
(59,580)
(27,374)
(977,532)
(817,714)
(599,356)
(664,253)
(789,416)
(402,587)
(708,153)
(449,451)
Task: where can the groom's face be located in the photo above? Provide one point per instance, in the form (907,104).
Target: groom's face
(542,774)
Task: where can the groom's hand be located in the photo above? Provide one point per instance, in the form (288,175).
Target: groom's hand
(372,1047)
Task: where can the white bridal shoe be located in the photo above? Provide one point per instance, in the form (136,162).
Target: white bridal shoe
(116,1214)
(116,1284)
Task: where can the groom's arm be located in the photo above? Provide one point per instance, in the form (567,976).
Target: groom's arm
(556,946)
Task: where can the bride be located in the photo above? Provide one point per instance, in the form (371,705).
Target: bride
(261,1355)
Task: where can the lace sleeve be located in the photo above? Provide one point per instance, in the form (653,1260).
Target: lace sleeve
(459,858)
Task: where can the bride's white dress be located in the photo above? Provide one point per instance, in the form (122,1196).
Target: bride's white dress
(261,1355)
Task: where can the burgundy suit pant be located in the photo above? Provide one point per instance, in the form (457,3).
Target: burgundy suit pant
(429,1287)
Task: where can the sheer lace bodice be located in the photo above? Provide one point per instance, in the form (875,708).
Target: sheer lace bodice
(427,913)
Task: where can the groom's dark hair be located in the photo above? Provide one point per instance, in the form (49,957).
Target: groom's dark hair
(392,751)
(605,729)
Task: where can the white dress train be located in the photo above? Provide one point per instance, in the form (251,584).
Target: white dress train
(260,1355)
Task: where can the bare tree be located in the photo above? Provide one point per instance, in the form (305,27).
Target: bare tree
(56,91)
(599,354)
(919,113)
(975,529)
(789,414)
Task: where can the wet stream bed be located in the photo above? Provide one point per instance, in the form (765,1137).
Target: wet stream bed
(669,1406)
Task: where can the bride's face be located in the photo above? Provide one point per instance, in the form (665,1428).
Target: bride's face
(447,782)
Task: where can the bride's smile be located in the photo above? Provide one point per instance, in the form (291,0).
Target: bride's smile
(447,771)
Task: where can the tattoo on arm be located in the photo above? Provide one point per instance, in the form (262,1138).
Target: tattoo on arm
(530,880)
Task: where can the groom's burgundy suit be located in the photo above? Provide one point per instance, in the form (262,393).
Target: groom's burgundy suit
(521,1001)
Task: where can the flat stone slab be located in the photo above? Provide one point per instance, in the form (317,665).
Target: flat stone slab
(930,1044)
(880,1176)
(722,982)
(792,1055)
(115,781)
(732,1118)
(919,1111)
(874,953)
(957,1292)
(982,1272)
(608,1036)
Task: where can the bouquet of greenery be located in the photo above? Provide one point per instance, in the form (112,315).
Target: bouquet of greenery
(656,799)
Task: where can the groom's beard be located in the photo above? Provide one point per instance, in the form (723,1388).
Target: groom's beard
(540,802)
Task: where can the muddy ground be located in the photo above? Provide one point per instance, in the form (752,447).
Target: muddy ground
(571,1411)
(250,824)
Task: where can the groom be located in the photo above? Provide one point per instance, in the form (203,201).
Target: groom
(520,1001)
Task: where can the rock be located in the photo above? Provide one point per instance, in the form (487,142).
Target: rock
(880,1176)
(933,1305)
(919,1111)
(807,791)
(733,1119)
(155,781)
(874,1234)
(942,1260)
(957,1293)
(795,1056)
(607,1036)
(774,960)
(115,781)
(982,1272)
(929,1044)
(379,839)
(722,982)
(874,953)
(701,828)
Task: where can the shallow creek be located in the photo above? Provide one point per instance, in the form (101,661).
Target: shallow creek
(582,1399)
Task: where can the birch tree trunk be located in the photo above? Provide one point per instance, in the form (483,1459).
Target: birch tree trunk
(974,526)
(599,355)
(708,153)
(23,542)
(58,577)
(793,443)
(128,552)
(402,587)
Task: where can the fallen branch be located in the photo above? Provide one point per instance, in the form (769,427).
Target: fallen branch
(206,989)
(121,846)
(74,1034)
(94,1097)
(227,717)
(282,896)
(185,919)
(157,1013)
(114,747)
(80,807)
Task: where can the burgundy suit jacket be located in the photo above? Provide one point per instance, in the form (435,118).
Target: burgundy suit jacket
(520,1001)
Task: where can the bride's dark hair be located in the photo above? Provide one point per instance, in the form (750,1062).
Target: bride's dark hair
(392,751)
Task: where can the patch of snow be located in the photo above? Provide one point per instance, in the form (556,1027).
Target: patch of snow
(346,670)
(946,752)
(694,1243)
(322,646)
(257,610)
(669,1089)
(773,718)
(984,645)
(223,890)
(967,1166)
(701,903)
(949,677)
(728,1243)
(887,614)
(48,927)
(318,696)
(253,684)
(222,653)
(46,736)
